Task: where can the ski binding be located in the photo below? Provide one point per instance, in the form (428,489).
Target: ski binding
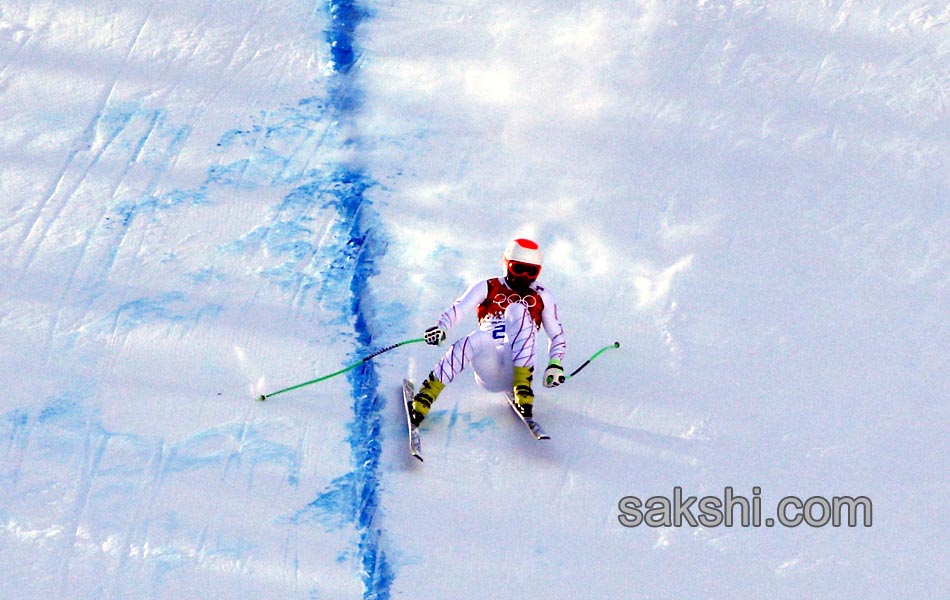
(529,422)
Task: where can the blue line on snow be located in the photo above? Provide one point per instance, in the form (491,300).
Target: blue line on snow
(343,266)
(359,489)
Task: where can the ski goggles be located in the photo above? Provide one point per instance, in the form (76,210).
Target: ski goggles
(523,269)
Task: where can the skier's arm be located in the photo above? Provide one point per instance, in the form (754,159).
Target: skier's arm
(462,306)
(557,345)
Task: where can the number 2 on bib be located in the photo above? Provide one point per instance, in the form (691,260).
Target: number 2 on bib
(498,331)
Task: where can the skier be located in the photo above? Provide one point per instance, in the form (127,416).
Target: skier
(510,310)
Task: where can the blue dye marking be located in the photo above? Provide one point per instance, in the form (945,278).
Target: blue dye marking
(481,424)
(126,211)
(141,311)
(235,444)
(471,427)
(334,507)
(205,276)
(356,495)
(345,17)
(232,174)
(280,150)
(58,409)
(17,418)
(114,122)
(143,137)
(64,424)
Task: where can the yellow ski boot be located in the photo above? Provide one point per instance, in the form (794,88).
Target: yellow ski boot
(422,401)
(524,395)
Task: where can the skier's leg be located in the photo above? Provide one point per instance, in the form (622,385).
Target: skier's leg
(453,362)
(455,359)
(521,335)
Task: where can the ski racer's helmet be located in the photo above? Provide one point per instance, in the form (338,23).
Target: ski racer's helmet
(523,251)
(523,262)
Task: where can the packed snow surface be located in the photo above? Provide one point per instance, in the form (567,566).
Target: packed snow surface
(206,201)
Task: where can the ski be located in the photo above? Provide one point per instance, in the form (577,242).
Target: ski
(529,422)
(415,444)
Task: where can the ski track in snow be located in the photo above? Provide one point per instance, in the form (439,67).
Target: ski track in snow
(128,146)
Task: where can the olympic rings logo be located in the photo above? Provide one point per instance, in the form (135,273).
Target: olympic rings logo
(503,300)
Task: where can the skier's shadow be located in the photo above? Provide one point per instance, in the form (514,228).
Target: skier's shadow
(632,440)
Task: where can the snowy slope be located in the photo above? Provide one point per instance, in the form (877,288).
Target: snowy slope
(203,202)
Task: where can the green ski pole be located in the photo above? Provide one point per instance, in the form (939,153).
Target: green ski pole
(593,357)
(363,360)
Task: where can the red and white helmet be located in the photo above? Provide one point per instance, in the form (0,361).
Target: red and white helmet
(523,251)
(523,262)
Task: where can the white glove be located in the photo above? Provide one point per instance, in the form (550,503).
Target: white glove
(434,335)
(554,374)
